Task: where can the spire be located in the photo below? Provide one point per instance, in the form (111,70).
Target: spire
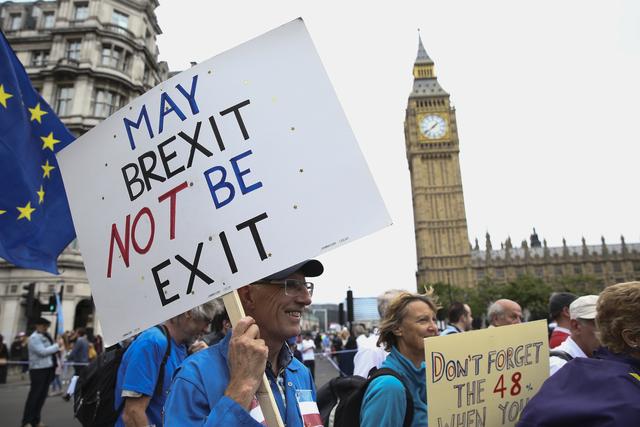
(535,241)
(605,250)
(423,67)
(423,57)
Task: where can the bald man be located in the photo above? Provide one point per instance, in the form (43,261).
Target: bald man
(504,312)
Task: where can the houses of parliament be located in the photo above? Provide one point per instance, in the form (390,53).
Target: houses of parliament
(444,252)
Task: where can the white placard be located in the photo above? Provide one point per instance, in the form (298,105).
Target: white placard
(250,168)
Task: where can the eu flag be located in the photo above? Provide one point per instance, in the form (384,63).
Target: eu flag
(35,221)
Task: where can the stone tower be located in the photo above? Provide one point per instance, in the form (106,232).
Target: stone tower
(431,136)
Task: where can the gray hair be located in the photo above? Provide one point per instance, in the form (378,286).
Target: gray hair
(495,311)
(207,310)
(385,298)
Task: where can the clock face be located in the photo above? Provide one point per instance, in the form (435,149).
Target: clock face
(433,127)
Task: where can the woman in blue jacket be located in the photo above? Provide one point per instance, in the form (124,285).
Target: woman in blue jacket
(408,320)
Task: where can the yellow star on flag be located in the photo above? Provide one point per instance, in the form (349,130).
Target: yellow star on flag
(1,211)
(4,96)
(47,169)
(26,211)
(37,113)
(40,195)
(49,141)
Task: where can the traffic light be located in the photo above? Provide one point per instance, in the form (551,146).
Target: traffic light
(350,305)
(341,313)
(28,299)
(51,307)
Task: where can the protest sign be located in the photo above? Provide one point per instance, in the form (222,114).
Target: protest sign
(239,167)
(486,377)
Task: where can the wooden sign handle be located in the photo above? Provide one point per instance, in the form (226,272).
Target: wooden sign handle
(265,397)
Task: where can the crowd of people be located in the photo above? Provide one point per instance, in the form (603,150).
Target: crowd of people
(195,369)
(51,364)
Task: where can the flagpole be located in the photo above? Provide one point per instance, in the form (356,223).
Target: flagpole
(58,308)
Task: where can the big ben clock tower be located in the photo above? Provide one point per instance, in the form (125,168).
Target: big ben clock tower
(442,240)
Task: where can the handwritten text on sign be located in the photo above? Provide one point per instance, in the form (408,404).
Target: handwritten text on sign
(230,171)
(485,378)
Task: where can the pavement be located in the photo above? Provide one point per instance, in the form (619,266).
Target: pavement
(59,413)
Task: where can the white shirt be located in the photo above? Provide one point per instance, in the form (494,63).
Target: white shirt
(368,356)
(569,346)
(307,349)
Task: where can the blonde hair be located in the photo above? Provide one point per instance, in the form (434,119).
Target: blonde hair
(617,310)
(396,311)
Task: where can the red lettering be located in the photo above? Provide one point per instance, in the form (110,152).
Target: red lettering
(171,194)
(152,223)
(124,249)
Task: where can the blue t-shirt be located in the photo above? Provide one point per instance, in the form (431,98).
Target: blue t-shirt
(140,368)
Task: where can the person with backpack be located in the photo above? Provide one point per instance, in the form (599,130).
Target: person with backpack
(149,362)
(408,320)
(217,387)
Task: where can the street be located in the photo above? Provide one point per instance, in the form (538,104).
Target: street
(58,413)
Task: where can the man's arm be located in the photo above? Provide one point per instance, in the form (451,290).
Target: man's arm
(36,346)
(134,412)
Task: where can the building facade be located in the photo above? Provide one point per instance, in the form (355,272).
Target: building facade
(607,264)
(444,254)
(87,59)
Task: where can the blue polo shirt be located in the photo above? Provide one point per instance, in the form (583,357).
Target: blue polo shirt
(140,368)
(197,396)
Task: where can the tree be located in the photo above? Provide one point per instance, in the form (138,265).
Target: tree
(579,285)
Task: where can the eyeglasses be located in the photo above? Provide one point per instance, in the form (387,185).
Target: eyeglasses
(293,287)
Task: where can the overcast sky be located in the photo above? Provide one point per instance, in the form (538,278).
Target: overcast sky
(545,95)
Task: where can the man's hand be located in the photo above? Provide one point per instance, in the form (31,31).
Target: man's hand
(197,346)
(247,361)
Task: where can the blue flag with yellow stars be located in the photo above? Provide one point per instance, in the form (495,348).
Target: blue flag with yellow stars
(35,221)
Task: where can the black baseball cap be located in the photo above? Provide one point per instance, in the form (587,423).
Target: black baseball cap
(310,268)
(42,321)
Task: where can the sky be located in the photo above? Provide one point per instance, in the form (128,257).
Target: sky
(545,94)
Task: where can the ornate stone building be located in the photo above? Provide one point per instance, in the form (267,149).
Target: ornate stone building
(606,263)
(442,244)
(87,59)
(431,136)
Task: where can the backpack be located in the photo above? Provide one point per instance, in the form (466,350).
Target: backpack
(561,354)
(340,400)
(94,396)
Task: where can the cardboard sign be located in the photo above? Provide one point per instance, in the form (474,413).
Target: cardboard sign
(234,169)
(486,377)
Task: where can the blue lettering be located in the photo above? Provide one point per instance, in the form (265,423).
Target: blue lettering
(191,95)
(221,184)
(166,99)
(239,174)
(128,124)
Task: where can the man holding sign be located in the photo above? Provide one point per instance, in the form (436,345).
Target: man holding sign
(218,385)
